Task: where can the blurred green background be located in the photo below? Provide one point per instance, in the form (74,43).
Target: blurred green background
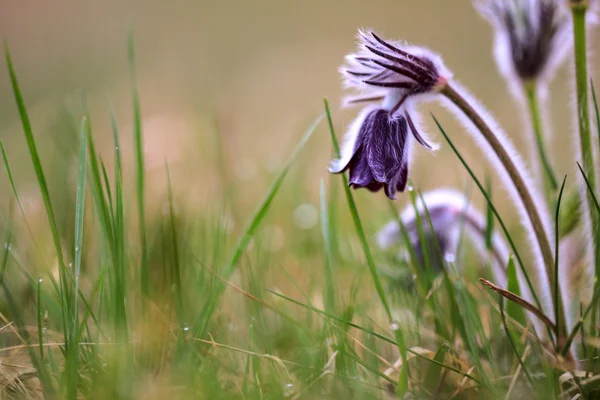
(227,88)
(258,68)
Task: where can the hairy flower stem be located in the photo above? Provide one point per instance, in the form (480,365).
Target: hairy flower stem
(550,183)
(519,183)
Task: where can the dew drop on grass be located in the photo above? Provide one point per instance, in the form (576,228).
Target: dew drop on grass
(41,280)
(394,326)
(288,389)
(186,327)
(410,188)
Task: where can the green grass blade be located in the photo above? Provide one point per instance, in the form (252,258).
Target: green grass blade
(242,244)
(40,324)
(422,239)
(403,383)
(512,343)
(596,294)
(596,111)
(434,372)
(49,390)
(119,217)
(375,334)
(325,230)
(414,260)
(41,179)
(587,182)
(73,354)
(358,224)
(176,278)
(514,310)
(489,216)
(139,168)
(15,192)
(5,250)
(494,210)
(557,298)
(109,197)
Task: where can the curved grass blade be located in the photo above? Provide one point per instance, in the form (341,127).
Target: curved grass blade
(557,298)
(494,210)
(325,231)
(357,223)
(377,335)
(403,384)
(596,295)
(510,340)
(512,309)
(65,295)
(257,218)
(176,264)
(139,166)
(15,192)
(521,302)
(73,352)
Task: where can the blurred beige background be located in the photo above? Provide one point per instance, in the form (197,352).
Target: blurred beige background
(260,68)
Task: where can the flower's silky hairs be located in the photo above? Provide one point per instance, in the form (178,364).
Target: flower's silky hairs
(532,36)
(450,212)
(537,266)
(532,39)
(395,76)
(376,150)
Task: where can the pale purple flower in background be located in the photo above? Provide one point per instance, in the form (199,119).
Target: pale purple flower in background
(450,212)
(532,37)
(377,145)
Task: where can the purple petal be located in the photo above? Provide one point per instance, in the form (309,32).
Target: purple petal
(386,145)
(402,177)
(352,141)
(360,172)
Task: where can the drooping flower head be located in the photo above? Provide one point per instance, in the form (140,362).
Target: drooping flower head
(532,36)
(377,146)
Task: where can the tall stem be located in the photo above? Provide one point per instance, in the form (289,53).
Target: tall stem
(578,10)
(522,189)
(549,179)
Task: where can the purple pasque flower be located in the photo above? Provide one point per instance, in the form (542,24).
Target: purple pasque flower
(532,36)
(377,146)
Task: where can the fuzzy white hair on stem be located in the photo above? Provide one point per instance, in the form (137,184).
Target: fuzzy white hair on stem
(543,288)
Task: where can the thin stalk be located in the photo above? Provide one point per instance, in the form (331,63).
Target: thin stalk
(578,10)
(523,190)
(550,182)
